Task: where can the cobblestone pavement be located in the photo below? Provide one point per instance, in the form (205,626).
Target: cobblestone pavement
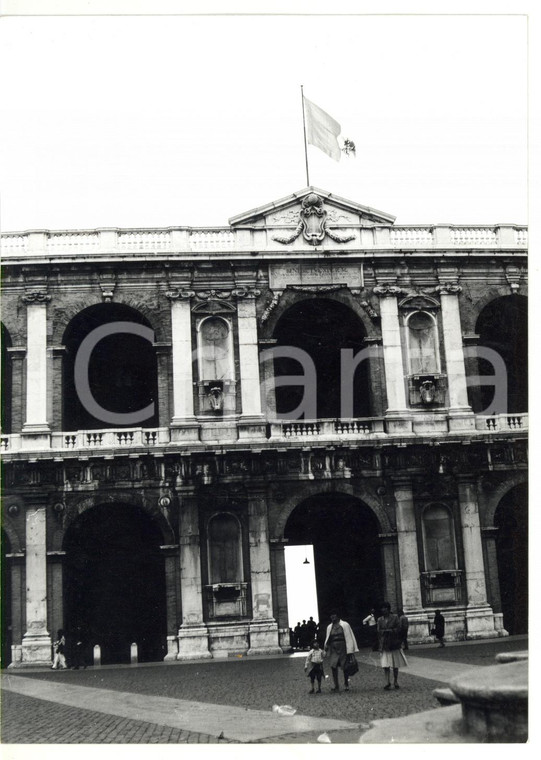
(252,683)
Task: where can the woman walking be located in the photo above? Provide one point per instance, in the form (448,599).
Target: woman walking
(390,641)
(339,642)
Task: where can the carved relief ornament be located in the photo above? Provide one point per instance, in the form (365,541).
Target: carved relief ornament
(449,289)
(36,296)
(313,224)
(387,290)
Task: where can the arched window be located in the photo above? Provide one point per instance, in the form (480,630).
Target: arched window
(225,552)
(423,349)
(215,354)
(439,539)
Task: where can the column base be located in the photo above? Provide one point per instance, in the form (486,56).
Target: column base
(461,419)
(172,649)
(480,623)
(193,643)
(251,428)
(36,436)
(264,637)
(184,429)
(36,650)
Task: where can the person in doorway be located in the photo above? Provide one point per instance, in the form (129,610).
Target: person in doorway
(312,629)
(314,666)
(390,637)
(371,623)
(297,634)
(439,628)
(59,660)
(305,636)
(404,625)
(339,642)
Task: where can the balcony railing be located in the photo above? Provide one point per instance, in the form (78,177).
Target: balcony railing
(104,242)
(309,431)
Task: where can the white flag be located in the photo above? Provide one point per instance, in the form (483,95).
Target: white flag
(322,130)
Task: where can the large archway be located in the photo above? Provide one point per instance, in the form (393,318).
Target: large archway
(502,327)
(114,582)
(347,554)
(322,327)
(511,519)
(122,370)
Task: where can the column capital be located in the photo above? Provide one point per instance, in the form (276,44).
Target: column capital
(386,290)
(181,294)
(35,297)
(449,289)
(246,292)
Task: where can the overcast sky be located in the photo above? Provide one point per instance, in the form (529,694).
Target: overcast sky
(166,121)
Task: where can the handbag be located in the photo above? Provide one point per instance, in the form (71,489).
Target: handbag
(351,666)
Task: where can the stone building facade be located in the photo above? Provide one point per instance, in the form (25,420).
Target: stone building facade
(180,404)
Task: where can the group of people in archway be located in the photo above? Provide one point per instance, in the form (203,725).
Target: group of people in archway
(303,635)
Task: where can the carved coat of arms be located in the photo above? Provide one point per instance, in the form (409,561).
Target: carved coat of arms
(313,224)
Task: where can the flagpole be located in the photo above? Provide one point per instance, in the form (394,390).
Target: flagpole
(305,145)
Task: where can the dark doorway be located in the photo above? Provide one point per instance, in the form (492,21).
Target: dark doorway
(114,583)
(511,519)
(5,380)
(5,610)
(122,370)
(503,327)
(322,328)
(347,555)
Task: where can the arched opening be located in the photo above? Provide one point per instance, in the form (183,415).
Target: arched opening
(5,601)
(347,555)
(511,519)
(5,379)
(114,583)
(502,327)
(322,328)
(122,371)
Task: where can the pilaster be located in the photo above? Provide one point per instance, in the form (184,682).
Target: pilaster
(17,355)
(263,629)
(410,575)
(36,643)
(36,430)
(183,406)
(251,424)
(193,634)
(279,589)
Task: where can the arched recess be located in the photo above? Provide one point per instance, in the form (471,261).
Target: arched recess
(502,327)
(511,519)
(6,381)
(122,371)
(323,328)
(349,567)
(114,582)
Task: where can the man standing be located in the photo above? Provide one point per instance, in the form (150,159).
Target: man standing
(371,622)
(439,627)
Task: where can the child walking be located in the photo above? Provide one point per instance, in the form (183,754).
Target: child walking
(314,661)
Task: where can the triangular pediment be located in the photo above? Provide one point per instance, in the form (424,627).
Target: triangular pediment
(285,211)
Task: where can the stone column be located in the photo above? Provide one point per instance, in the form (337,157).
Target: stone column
(36,644)
(17,354)
(181,330)
(489,537)
(36,424)
(410,575)
(55,590)
(279,589)
(172,598)
(251,423)
(391,569)
(193,634)
(392,358)
(18,616)
(460,412)
(479,616)
(263,630)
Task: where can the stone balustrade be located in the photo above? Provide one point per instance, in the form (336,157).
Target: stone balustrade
(333,430)
(179,240)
